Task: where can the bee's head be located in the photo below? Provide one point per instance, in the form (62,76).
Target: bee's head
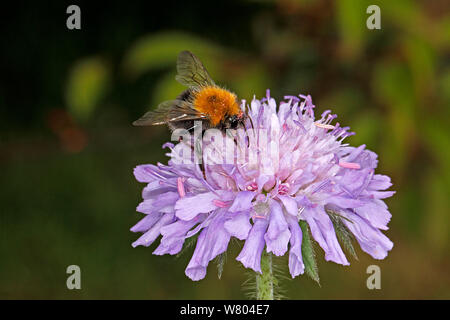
(234,120)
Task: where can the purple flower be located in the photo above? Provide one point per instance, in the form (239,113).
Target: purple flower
(256,183)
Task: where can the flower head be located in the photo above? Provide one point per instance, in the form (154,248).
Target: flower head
(256,183)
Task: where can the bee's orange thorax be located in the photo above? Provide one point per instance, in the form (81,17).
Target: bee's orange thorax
(216,103)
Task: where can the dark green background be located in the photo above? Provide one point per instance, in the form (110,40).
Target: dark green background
(67,148)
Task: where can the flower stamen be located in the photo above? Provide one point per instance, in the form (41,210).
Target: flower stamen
(220,203)
(252,187)
(180,187)
(258,217)
(324,126)
(283,189)
(349,165)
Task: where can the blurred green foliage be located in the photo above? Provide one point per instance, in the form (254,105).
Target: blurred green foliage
(67,148)
(86,85)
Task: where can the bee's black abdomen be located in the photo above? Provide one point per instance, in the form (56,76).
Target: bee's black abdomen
(185,95)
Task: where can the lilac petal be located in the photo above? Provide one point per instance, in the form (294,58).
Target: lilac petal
(355,152)
(147,238)
(167,145)
(146,223)
(354,179)
(379,182)
(239,225)
(261,181)
(369,238)
(299,178)
(365,158)
(267,169)
(143,173)
(167,209)
(303,202)
(205,220)
(188,207)
(216,241)
(345,201)
(323,232)
(382,194)
(277,235)
(368,159)
(284,109)
(289,204)
(285,166)
(242,202)
(250,255)
(155,204)
(165,249)
(376,213)
(173,236)
(216,179)
(255,106)
(195,271)
(211,242)
(177,228)
(155,188)
(296,266)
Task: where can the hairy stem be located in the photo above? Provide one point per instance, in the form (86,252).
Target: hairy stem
(265,281)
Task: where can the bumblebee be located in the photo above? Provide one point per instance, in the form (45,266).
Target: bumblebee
(202,101)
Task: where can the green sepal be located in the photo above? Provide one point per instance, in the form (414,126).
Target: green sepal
(189,242)
(220,262)
(308,255)
(344,236)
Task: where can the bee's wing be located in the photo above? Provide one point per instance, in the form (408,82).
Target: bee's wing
(191,71)
(184,110)
(169,111)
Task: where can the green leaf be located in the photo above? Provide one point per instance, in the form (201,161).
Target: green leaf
(351,21)
(343,234)
(220,262)
(87,84)
(159,50)
(166,88)
(309,257)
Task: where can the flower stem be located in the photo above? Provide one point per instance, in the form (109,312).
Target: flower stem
(265,280)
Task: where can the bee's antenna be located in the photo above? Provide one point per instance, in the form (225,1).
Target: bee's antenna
(247,108)
(251,121)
